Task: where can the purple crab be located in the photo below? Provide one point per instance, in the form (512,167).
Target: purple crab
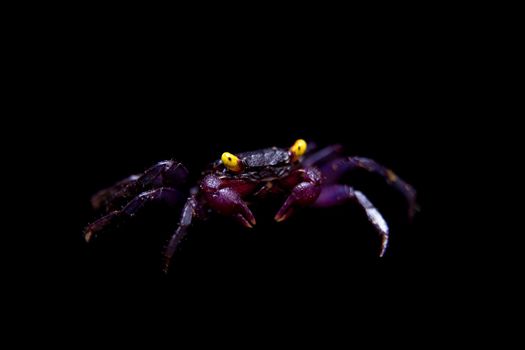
(299,176)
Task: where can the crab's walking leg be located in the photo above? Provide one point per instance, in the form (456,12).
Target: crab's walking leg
(323,155)
(188,213)
(168,196)
(167,173)
(103,197)
(303,194)
(334,170)
(339,194)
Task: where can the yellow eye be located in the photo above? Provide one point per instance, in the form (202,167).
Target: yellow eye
(298,149)
(231,162)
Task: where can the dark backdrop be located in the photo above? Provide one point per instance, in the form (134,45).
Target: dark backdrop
(119,111)
(122,131)
(102,104)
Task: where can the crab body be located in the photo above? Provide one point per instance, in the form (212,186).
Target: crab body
(261,173)
(230,185)
(262,165)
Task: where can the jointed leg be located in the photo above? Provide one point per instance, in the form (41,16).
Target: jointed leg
(163,174)
(106,196)
(340,194)
(188,213)
(168,196)
(322,156)
(334,170)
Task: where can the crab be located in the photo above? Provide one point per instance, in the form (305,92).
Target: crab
(301,177)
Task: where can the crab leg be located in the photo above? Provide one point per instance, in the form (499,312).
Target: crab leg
(187,216)
(168,196)
(322,156)
(334,170)
(340,194)
(167,173)
(104,198)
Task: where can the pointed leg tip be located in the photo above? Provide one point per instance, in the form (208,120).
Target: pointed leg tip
(412,212)
(384,245)
(279,218)
(382,252)
(165,264)
(87,236)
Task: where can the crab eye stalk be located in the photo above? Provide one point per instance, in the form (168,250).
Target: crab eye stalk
(232,162)
(298,149)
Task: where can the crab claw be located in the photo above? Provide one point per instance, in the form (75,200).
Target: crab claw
(241,213)
(227,201)
(302,195)
(283,214)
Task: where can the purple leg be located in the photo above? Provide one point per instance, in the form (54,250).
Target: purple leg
(114,219)
(167,173)
(303,194)
(104,198)
(324,155)
(340,194)
(188,213)
(334,170)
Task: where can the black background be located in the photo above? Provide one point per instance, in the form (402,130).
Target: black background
(102,99)
(117,106)
(125,125)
